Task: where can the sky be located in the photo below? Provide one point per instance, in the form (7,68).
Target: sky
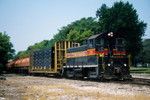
(31,21)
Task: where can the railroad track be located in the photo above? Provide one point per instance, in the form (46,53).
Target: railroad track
(134,81)
(139,81)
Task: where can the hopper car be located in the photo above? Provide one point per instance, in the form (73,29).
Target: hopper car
(102,56)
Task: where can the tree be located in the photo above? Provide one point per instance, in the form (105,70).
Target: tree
(73,35)
(123,20)
(146,50)
(83,25)
(81,29)
(78,36)
(86,34)
(6,51)
(143,57)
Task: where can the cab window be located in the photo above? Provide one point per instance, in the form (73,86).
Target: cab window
(100,44)
(91,43)
(120,41)
(120,45)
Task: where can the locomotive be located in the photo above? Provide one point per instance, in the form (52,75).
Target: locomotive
(102,56)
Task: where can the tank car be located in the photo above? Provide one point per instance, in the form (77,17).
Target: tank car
(20,65)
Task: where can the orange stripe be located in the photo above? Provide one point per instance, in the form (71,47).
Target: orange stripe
(77,54)
(118,53)
(87,53)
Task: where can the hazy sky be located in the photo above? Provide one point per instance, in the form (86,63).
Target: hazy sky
(31,21)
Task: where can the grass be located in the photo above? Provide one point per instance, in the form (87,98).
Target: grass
(140,70)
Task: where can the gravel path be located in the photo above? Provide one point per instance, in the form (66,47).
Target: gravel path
(48,88)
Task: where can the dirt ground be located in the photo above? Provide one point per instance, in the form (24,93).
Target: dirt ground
(17,87)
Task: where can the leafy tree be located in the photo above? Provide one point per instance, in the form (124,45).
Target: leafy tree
(81,29)
(81,26)
(146,49)
(123,20)
(78,36)
(6,51)
(144,55)
(86,34)
(73,35)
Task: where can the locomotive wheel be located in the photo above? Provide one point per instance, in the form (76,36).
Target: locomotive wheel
(93,73)
(70,73)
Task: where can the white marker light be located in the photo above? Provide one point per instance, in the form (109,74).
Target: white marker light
(111,34)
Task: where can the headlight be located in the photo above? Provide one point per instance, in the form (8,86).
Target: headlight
(125,64)
(108,64)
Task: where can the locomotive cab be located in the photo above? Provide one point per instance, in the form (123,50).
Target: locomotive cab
(97,42)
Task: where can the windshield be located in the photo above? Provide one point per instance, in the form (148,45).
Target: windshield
(100,44)
(120,43)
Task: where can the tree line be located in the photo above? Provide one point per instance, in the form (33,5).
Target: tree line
(6,50)
(121,18)
(76,31)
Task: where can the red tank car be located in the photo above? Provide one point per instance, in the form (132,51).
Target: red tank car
(19,65)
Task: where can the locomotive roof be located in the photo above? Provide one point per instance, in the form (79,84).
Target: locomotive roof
(95,36)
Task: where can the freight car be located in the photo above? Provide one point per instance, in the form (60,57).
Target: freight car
(19,65)
(102,56)
(50,60)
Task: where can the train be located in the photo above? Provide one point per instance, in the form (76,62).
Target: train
(103,56)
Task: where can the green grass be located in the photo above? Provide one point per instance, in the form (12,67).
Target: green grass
(140,70)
